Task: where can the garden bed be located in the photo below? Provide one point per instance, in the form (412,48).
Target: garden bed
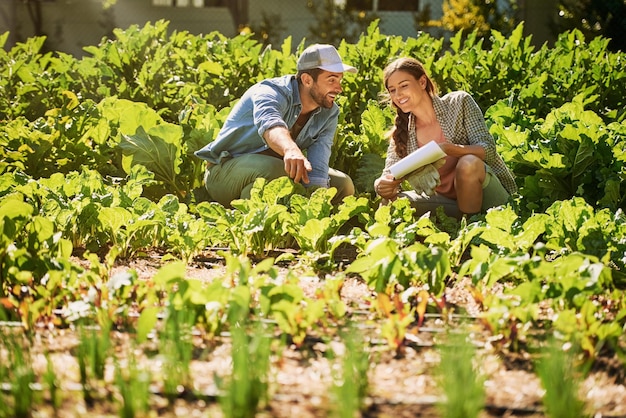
(402,383)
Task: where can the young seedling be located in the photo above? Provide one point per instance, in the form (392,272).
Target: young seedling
(92,354)
(246,391)
(176,347)
(350,380)
(133,383)
(398,317)
(22,377)
(5,365)
(459,381)
(52,383)
(560,382)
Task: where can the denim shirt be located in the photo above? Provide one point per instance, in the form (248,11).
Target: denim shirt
(268,104)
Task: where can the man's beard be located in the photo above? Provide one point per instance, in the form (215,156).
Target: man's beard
(321,99)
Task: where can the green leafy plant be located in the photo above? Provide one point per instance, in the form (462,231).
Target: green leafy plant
(384,264)
(330,293)
(572,153)
(252,225)
(294,313)
(313,220)
(398,317)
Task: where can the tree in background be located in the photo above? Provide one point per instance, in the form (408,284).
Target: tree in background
(594,18)
(334,22)
(479,15)
(269,31)
(36,16)
(37,19)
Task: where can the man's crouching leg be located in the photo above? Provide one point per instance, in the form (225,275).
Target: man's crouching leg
(343,183)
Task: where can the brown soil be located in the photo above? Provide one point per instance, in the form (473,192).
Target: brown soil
(399,385)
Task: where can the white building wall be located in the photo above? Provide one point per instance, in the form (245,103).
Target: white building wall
(72,24)
(296,17)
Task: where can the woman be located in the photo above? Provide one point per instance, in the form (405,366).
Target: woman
(472,177)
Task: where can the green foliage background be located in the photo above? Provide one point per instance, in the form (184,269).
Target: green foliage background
(97,163)
(151,96)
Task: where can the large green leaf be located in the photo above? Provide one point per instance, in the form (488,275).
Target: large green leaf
(127,115)
(157,150)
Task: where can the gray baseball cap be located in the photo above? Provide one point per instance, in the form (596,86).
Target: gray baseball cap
(324,57)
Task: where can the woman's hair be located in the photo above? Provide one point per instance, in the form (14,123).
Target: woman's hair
(400,131)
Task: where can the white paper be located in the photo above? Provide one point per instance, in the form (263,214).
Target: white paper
(426,154)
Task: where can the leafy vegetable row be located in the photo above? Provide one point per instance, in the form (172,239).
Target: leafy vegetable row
(153,97)
(97,155)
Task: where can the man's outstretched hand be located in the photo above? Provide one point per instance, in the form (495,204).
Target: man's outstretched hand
(297,166)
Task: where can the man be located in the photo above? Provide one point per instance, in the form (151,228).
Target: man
(274,124)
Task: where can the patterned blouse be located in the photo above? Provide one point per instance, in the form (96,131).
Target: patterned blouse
(462,122)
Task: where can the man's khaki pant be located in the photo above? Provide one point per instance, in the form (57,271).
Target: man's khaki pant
(234,178)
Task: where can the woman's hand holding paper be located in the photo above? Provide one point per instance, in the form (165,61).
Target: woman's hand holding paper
(425,179)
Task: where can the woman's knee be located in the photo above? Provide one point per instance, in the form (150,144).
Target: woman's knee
(470,167)
(469,164)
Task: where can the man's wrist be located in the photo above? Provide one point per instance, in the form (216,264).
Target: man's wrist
(292,150)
